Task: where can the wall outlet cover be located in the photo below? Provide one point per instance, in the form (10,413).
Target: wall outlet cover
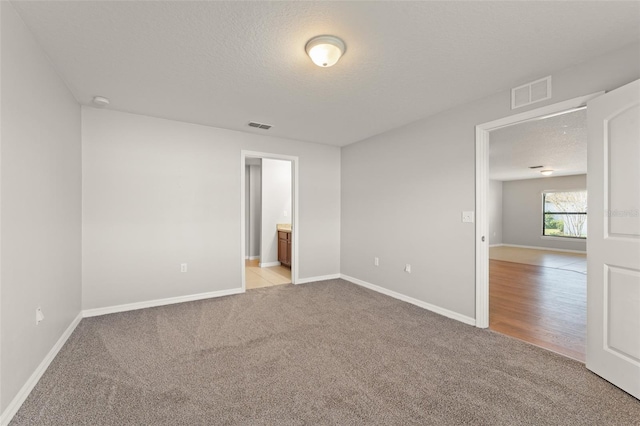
(467,217)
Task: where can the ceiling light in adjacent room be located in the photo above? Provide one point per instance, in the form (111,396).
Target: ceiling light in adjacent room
(325,50)
(546,172)
(100,101)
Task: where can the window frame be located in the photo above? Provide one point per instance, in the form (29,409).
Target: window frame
(545,213)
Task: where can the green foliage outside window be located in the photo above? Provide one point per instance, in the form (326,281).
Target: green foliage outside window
(565,214)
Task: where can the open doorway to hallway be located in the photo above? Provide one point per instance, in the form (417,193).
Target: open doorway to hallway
(268,222)
(537,232)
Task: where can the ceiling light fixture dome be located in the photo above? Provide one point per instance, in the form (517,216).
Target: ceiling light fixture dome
(546,172)
(325,50)
(100,101)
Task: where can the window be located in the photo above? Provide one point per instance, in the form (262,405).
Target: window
(564,214)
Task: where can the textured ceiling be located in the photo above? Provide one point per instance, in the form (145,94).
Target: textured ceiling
(558,143)
(226,63)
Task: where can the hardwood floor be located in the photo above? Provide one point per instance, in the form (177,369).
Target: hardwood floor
(257,277)
(549,258)
(542,305)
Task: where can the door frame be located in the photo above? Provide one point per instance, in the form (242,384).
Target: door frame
(482,190)
(295,228)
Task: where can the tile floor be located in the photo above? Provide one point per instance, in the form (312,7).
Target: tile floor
(257,277)
(548,258)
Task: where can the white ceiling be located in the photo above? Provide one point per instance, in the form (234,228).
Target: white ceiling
(558,143)
(225,63)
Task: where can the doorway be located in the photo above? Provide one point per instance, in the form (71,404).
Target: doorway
(538,230)
(269,213)
(483,192)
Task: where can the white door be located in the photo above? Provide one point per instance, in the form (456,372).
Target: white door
(613,241)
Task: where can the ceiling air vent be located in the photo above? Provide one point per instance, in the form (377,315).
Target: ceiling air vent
(536,167)
(259,125)
(531,93)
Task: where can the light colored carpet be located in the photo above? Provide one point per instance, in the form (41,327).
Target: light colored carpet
(321,353)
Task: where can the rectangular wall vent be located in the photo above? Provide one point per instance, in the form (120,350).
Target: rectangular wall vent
(531,93)
(259,125)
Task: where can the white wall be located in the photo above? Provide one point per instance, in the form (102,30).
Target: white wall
(522,211)
(247,207)
(40,211)
(403,191)
(158,193)
(255,211)
(276,205)
(495,212)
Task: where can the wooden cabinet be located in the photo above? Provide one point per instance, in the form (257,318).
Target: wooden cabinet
(284,248)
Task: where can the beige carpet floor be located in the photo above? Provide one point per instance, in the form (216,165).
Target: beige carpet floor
(320,353)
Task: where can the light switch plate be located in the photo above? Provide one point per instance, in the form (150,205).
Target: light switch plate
(467,217)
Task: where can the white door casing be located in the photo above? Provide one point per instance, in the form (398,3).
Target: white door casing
(613,242)
(295,221)
(482,187)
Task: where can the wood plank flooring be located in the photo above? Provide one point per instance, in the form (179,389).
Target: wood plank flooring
(541,305)
(257,277)
(549,258)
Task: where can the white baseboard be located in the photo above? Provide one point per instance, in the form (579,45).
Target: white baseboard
(253,257)
(545,248)
(495,245)
(268,264)
(428,306)
(26,389)
(319,278)
(158,302)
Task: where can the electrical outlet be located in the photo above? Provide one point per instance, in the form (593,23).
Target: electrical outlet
(407,268)
(39,315)
(183,267)
(376,261)
(467,217)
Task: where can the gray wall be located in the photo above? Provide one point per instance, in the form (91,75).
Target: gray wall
(495,212)
(157,193)
(522,211)
(403,191)
(276,200)
(40,228)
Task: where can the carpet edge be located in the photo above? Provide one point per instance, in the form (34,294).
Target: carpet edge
(32,381)
(428,306)
(94,312)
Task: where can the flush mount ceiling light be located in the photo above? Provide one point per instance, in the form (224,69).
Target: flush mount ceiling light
(325,50)
(100,101)
(546,172)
